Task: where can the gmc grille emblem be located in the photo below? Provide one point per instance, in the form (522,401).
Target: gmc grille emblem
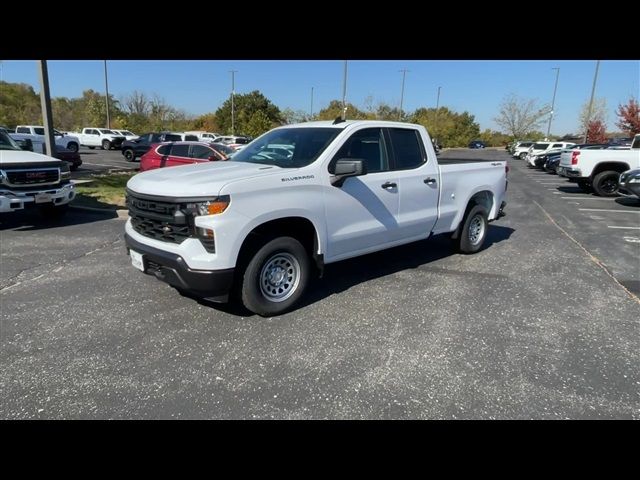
(36,175)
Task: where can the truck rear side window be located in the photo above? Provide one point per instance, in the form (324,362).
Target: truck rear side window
(406,148)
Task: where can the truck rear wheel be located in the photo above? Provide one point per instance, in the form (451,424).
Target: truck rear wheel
(276,277)
(605,183)
(474,230)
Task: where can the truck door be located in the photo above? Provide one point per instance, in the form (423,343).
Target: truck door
(362,213)
(418,183)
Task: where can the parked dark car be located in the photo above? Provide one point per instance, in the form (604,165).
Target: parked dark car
(132,149)
(69,156)
(630,182)
(477,144)
(551,161)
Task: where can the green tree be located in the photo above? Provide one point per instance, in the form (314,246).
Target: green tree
(245,106)
(334,110)
(451,129)
(257,124)
(19,104)
(207,122)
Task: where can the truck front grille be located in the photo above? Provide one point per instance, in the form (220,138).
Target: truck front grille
(159,220)
(36,176)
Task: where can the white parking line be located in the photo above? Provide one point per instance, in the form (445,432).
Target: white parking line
(552,183)
(576,197)
(625,228)
(604,210)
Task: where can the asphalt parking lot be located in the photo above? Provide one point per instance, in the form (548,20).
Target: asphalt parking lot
(101,161)
(543,323)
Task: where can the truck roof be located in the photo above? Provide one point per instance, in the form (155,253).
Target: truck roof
(346,123)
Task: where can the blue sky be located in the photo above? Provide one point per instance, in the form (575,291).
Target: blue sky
(476,86)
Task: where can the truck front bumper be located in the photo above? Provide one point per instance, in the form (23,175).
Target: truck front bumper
(212,285)
(11,200)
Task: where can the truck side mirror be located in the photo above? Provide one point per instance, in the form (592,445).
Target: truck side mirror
(347,167)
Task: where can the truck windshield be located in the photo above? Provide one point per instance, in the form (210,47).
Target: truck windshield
(7,143)
(288,147)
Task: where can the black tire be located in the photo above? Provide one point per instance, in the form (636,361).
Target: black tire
(106,145)
(474,230)
(91,148)
(54,211)
(605,184)
(73,146)
(522,156)
(290,262)
(585,186)
(128,154)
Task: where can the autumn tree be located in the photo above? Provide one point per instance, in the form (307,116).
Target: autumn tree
(206,122)
(596,132)
(450,128)
(629,117)
(19,104)
(520,116)
(598,112)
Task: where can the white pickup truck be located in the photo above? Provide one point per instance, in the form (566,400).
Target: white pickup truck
(260,224)
(599,170)
(30,179)
(100,137)
(35,133)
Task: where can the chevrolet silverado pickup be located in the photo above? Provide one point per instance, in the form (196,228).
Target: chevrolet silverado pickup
(258,225)
(30,179)
(599,170)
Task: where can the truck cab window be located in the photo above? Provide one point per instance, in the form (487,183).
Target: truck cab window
(367,145)
(407,152)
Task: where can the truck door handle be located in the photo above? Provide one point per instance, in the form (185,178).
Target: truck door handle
(430,181)
(389,185)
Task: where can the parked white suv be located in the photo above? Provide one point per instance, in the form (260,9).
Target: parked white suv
(36,134)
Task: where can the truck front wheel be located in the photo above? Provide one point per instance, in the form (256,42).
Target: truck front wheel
(474,230)
(276,277)
(106,145)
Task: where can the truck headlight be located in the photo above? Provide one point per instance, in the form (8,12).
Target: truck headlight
(212,207)
(65,172)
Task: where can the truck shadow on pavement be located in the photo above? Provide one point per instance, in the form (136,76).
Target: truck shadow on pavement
(628,201)
(343,275)
(34,220)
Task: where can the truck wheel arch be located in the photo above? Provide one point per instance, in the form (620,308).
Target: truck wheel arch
(615,166)
(484,198)
(300,228)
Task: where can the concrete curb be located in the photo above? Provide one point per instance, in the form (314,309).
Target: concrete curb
(120,213)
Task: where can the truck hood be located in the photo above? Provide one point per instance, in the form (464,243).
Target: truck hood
(198,180)
(23,156)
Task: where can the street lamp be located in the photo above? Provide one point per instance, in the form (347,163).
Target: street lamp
(553,101)
(435,124)
(106,88)
(233,114)
(344,92)
(311,111)
(404,72)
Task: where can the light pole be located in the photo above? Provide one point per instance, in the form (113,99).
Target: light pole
(45,101)
(106,88)
(233,113)
(344,92)
(435,125)
(553,101)
(593,91)
(404,72)
(311,111)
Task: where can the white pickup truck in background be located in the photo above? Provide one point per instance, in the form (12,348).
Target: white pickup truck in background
(35,133)
(260,224)
(599,170)
(30,179)
(100,137)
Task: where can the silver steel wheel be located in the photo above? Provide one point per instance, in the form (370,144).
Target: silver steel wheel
(279,277)
(476,229)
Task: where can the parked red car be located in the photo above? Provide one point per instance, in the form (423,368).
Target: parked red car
(174,154)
